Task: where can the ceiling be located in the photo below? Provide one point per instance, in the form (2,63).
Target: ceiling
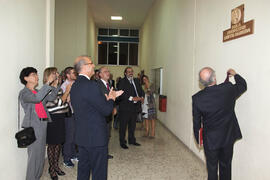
(133,12)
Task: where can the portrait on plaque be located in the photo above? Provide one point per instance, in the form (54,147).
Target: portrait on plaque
(236,16)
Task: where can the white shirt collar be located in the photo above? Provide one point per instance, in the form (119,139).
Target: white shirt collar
(130,79)
(104,82)
(84,76)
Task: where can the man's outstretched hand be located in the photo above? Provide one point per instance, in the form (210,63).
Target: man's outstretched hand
(114,94)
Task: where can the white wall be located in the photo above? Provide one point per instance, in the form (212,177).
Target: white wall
(170,41)
(92,36)
(23,43)
(71,35)
(167,41)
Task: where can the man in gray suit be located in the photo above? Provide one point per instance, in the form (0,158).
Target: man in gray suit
(103,83)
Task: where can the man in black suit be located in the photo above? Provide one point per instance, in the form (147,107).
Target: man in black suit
(214,108)
(105,86)
(129,107)
(111,81)
(90,108)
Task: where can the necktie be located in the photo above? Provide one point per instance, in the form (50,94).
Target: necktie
(131,81)
(108,86)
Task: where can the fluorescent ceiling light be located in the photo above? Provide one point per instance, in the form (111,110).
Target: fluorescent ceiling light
(116,18)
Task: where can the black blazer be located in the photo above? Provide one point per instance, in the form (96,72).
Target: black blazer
(127,87)
(90,108)
(104,90)
(112,83)
(214,107)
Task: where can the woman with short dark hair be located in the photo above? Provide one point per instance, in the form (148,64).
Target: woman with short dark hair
(33,102)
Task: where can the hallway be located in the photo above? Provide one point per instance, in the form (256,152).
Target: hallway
(162,158)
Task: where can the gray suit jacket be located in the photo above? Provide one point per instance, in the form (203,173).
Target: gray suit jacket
(29,99)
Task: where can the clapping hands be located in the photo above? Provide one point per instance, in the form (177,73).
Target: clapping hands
(113,94)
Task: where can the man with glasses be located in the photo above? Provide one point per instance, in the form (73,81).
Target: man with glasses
(90,109)
(105,86)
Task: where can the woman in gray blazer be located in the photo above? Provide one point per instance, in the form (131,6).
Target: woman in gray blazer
(33,102)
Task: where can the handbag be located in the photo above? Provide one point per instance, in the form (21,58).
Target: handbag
(26,136)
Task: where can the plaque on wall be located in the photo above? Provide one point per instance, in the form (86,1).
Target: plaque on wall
(239,28)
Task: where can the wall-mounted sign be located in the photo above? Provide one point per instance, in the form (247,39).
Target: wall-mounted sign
(238,27)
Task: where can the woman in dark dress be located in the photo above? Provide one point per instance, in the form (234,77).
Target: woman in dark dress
(58,110)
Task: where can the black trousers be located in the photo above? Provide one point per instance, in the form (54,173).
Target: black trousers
(127,119)
(221,158)
(69,150)
(95,160)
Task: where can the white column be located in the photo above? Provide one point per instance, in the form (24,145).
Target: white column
(50,12)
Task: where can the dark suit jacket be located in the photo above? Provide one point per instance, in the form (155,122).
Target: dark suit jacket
(127,87)
(90,108)
(104,90)
(214,107)
(112,83)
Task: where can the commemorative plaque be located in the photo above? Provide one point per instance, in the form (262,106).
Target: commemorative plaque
(239,28)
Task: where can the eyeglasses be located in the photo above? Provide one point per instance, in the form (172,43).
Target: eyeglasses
(88,63)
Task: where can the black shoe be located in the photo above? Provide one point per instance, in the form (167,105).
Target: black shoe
(124,146)
(110,156)
(60,172)
(135,144)
(54,177)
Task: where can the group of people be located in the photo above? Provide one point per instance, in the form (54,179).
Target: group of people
(73,109)
(72,113)
(49,112)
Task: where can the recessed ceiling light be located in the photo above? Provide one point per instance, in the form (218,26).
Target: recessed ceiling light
(116,18)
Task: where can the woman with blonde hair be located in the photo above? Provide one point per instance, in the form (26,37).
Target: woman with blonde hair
(58,110)
(34,102)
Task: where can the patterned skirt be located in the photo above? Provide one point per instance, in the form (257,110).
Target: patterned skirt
(152,113)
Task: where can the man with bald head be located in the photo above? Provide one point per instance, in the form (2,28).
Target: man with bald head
(213,109)
(90,107)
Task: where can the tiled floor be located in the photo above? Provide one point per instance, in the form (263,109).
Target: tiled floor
(162,158)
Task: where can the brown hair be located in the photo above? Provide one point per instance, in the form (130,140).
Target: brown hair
(47,72)
(144,76)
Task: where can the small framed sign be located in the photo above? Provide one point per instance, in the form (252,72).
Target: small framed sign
(239,28)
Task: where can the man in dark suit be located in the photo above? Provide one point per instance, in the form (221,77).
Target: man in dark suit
(111,81)
(104,85)
(90,108)
(129,107)
(214,108)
